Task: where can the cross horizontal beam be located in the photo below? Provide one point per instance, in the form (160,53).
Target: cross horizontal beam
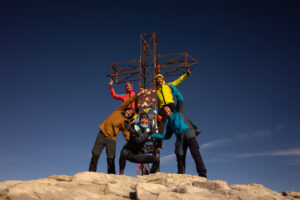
(169,65)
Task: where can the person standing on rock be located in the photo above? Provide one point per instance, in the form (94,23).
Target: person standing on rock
(179,124)
(124,97)
(133,151)
(109,130)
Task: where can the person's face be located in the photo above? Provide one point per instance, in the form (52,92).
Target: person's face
(159,80)
(144,121)
(128,86)
(167,111)
(128,113)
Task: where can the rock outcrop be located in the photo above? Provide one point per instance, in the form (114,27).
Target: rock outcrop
(159,186)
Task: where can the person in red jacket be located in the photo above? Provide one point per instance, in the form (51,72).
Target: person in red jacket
(129,93)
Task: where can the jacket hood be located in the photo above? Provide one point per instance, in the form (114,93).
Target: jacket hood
(131,89)
(160,75)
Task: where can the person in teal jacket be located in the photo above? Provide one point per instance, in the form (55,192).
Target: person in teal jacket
(179,124)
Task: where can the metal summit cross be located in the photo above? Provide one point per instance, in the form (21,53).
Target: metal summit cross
(144,70)
(150,64)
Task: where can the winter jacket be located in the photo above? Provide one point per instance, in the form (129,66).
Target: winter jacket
(178,123)
(124,97)
(116,121)
(138,137)
(164,93)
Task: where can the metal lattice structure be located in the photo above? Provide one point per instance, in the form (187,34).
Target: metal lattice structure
(144,69)
(150,64)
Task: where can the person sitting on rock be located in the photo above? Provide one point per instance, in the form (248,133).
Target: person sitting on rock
(179,124)
(124,97)
(109,130)
(133,151)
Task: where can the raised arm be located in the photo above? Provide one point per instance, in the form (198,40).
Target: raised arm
(128,101)
(112,91)
(176,93)
(181,78)
(114,94)
(179,106)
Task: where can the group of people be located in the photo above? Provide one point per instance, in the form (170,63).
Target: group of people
(137,134)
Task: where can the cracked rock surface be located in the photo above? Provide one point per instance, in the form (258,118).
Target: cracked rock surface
(159,186)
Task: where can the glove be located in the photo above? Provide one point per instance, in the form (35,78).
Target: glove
(158,136)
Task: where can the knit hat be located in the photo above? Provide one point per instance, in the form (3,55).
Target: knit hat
(144,115)
(159,75)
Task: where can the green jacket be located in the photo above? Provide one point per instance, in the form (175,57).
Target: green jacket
(164,92)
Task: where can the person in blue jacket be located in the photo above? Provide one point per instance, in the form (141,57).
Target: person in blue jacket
(179,124)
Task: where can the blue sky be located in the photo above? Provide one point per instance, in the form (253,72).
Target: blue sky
(243,94)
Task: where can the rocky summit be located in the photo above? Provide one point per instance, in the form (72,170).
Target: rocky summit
(159,186)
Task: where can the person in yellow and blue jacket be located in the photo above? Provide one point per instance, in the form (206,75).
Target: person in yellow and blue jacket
(185,133)
(164,93)
(165,97)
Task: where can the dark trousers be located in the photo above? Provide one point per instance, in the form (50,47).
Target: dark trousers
(194,149)
(101,142)
(126,154)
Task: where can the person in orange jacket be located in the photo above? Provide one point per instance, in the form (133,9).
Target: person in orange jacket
(107,135)
(124,97)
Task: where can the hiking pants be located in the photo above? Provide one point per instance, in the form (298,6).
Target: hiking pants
(101,142)
(181,146)
(126,154)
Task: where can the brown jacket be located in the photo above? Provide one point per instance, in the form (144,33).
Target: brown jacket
(116,121)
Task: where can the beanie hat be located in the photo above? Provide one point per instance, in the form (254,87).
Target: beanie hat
(144,115)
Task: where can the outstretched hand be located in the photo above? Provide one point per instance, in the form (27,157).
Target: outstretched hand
(141,92)
(111,82)
(158,136)
(189,72)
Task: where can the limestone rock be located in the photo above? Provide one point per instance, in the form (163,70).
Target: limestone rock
(61,178)
(291,195)
(159,186)
(149,191)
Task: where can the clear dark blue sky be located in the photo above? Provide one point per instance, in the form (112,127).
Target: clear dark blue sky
(243,94)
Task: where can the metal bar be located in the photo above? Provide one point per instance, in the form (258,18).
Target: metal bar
(124,74)
(130,69)
(187,62)
(128,61)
